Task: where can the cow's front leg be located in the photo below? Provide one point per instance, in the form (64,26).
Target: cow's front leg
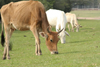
(38,49)
(57,28)
(69,26)
(37,40)
(72,27)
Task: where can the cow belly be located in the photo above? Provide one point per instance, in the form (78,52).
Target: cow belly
(23,28)
(20,27)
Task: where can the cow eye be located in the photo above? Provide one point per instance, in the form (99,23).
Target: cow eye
(51,40)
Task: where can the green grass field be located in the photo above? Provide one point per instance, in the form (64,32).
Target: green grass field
(81,50)
(87,13)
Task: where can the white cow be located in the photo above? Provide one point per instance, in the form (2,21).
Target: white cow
(57,18)
(71,19)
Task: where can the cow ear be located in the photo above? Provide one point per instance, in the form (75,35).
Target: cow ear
(43,34)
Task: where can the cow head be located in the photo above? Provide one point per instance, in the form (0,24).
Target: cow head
(63,36)
(51,40)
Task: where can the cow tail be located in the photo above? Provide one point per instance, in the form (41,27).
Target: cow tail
(2,36)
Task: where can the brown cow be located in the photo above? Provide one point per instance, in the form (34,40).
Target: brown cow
(27,15)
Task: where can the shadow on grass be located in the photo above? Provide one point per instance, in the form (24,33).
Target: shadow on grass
(80,41)
(73,52)
(87,30)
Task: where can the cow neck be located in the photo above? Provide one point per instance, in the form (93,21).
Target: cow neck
(45,26)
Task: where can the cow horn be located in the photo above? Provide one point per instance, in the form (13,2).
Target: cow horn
(60,31)
(48,29)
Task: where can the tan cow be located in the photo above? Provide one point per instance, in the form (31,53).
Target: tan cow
(27,15)
(72,19)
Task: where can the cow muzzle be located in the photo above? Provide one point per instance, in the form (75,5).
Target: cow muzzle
(63,41)
(54,52)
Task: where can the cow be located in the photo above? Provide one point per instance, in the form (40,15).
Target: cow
(72,19)
(27,15)
(57,18)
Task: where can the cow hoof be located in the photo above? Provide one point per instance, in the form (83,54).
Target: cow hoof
(8,58)
(39,54)
(4,58)
(36,54)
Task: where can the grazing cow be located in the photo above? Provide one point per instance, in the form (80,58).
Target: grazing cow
(71,19)
(27,15)
(58,18)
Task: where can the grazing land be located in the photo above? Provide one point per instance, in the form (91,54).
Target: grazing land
(87,13)
(82,49)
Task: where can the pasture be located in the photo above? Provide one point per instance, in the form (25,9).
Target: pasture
(87,13)
(81,50)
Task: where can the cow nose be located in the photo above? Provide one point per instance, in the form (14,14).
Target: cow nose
(54,52)
(63,42)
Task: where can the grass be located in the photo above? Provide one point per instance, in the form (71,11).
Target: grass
(87,13)
(81,50)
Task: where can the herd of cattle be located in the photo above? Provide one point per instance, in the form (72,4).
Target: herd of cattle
(31,15)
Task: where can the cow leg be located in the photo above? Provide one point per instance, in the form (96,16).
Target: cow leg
(38,50)
(37,41)
(57,28)
(8,33)
(72,26)
(11,31)
(5,51)
(77,27)
(6,48)
(69,26)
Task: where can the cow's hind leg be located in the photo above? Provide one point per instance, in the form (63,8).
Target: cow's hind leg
(8,33)
(37,41)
